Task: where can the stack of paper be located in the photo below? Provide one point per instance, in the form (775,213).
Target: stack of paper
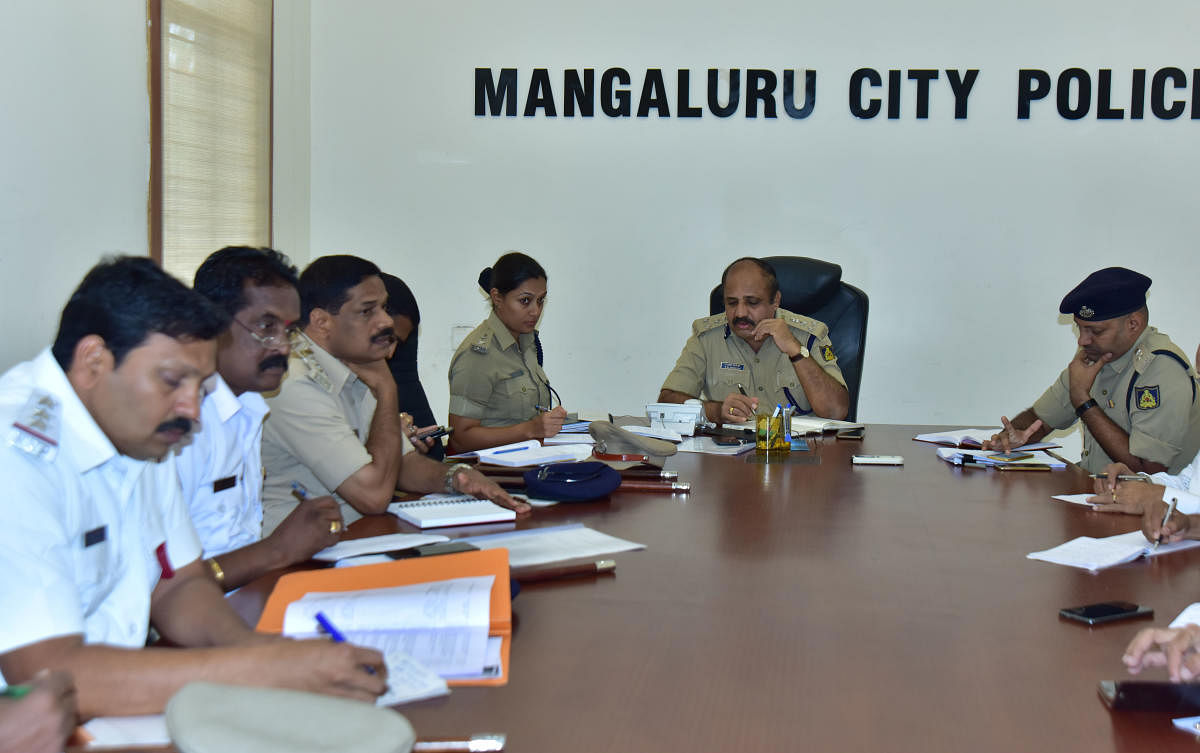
(973,438)
(708,446)
(981,457)
(1097,554)
(802,425)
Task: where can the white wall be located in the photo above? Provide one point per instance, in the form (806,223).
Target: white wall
(74,140)
(965,233)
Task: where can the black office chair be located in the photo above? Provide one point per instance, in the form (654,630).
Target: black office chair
(814,288)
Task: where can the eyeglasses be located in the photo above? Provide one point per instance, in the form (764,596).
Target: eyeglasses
(274,335)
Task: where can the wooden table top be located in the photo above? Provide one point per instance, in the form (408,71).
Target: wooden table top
(820,606)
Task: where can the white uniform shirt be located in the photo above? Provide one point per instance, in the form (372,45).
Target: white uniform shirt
(221,469)
(84,526)
(1185,487)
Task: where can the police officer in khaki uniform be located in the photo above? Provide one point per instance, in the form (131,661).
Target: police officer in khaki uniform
(1131,386)
(757,353)
(498,391)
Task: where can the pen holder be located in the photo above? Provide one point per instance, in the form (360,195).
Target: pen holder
(772,433)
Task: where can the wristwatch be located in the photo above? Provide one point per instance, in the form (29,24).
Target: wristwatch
(1085,406)
(452,473)
(799,356)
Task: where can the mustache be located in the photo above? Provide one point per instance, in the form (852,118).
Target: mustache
(277,361)
(742,320)
(385,335)
(181,423)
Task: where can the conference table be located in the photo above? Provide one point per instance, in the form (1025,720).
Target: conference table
(815,605)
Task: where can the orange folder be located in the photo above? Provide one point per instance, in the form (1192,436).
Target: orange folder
(403,573)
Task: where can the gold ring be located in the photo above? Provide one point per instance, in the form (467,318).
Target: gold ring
(335,526)
(731,410)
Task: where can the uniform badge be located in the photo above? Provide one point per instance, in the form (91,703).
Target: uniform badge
(827,352)
(36,429)
(1148,398)
(1086,313)
(734,366)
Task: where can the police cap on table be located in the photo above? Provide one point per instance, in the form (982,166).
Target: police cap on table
(1107,294)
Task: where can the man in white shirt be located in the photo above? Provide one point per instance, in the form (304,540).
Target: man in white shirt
(220,470)
(97,543)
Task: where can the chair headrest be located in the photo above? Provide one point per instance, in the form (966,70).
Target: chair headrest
(807,284)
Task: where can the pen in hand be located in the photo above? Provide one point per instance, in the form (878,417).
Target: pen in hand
(1170,511)
(336,635)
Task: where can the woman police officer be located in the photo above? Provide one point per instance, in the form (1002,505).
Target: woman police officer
(498,391)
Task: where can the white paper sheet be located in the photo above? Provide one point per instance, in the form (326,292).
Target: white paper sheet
(1075,499)
(373,544)
(538,546)
(1097,554)
(127,731)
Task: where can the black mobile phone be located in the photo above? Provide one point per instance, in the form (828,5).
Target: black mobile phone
(1108,611)
(1178,698)
(440,431)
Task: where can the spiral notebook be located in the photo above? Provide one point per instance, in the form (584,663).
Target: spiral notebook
(437,510)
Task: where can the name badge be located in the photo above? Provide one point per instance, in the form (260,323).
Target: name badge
(734,366)
(222,484)
(95,536)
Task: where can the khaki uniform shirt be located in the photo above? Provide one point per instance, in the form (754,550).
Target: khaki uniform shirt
(316,432)
(715,361)
(1150,392)
(495,378)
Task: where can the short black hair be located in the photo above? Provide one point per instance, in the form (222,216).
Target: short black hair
(223,276)
(509,271)
(401,301)
(125,299)
(325,284)
(763,266)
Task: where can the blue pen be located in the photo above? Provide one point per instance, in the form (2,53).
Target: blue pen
(336,635)
(299,490)
(510,449)
(328,627)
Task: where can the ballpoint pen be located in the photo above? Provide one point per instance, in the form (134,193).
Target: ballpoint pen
(1170,511)
(742,390)
(1123,477)
(336,635)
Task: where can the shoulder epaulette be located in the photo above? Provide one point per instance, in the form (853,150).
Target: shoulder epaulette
(36,428)
(806,323)
(481,345)
(708,323)
(302,349)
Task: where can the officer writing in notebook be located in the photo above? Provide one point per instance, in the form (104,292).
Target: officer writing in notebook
(757,354)
(499,393)
(1132,388)
(97,542)
(335,424)
(220,469)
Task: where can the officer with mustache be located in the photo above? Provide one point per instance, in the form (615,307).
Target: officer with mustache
(757,354)
(220,470)
(1132,388)
(335,424)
